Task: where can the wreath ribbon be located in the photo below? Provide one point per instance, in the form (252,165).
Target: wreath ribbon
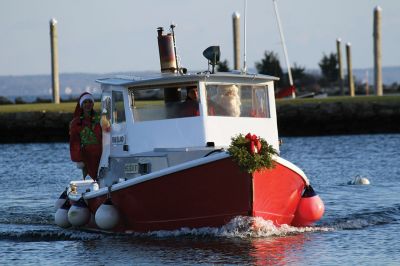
(255,144)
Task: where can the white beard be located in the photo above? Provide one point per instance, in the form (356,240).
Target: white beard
(231,104)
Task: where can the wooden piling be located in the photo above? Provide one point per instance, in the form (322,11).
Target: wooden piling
(236,40)
(349,70)
(377,52)
(339,56)
(54,61)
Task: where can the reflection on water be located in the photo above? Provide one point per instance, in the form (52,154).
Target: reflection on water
(277,250)
(210,250)
(238,242)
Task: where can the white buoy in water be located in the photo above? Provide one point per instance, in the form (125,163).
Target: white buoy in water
(61,215)
(359,180)
(61,200)
(107,215)
(79,214)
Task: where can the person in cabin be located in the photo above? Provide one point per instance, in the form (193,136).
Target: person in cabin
(227,101)
(192,93)
(86,136)
(191,104)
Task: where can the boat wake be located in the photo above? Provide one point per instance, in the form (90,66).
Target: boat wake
(365,219)
(36,233)
(21,218)
(41,228)
(241,227)
(255,227)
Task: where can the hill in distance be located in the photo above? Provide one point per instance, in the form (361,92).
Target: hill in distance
(30,87)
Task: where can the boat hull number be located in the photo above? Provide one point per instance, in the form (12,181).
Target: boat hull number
(118,140)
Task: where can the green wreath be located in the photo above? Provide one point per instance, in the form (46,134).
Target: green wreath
(251,153)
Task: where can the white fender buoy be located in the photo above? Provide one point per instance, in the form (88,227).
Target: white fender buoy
(94,186)
(79,214)
(311,208)
(61,200)
(359,180)
(107,215)
(61,215)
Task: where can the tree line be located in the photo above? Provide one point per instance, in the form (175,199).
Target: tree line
(326,81)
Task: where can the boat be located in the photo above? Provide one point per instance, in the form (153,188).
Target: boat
(166,168)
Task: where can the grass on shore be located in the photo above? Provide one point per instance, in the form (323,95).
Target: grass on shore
(69,107)
(344,99)
(65,107)
(39,107)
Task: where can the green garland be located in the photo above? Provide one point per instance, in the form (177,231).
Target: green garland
(240,151)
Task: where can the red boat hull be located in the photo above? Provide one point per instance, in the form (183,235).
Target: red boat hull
(208,195)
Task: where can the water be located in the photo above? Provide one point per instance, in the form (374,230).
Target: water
(361,224)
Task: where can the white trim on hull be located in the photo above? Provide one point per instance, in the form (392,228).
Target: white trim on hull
(177,168)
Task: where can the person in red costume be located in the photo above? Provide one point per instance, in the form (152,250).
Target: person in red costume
(191,104)
(85,136)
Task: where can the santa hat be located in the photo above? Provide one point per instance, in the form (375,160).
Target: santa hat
(78,108)
(85,97)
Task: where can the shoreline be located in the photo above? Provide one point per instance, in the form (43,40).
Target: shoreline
(339,118)
(307,117)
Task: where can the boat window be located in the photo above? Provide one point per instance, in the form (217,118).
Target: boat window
(118,114)
(237,100)
(165,102)
(106,113)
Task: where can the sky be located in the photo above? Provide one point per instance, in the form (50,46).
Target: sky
(102,36)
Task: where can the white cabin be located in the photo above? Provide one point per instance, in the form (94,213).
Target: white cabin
(140,129)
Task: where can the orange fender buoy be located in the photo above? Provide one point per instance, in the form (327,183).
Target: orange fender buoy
(310,209)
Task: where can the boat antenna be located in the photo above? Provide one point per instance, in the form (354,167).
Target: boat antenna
(245,37)
(173,39)
(283,42)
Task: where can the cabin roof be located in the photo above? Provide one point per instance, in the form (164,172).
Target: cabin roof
(193,77)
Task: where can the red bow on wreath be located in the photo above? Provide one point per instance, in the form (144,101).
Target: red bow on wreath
(255,144)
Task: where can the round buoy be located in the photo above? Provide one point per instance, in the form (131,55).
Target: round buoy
(95,186)
(310,209)
(61,215)
(79,214)
(359,180)
(107,215)
(61,200)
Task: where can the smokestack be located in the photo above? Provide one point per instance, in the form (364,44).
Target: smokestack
(167,53)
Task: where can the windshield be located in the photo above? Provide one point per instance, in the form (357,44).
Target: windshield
(158,103)
(179,101)
(237,100)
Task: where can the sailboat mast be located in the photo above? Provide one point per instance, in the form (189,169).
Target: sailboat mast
(283,43)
